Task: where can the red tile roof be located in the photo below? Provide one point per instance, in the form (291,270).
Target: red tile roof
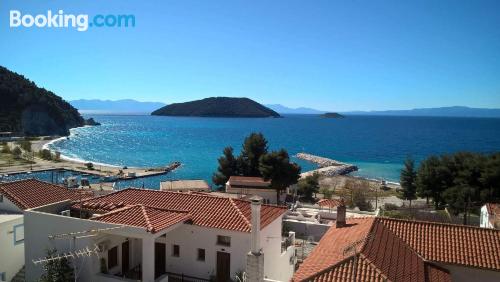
(329,203)
(205,210)
(395,250)
(449,243)
(330,249)
(32,193)
(248,181)
(149,218)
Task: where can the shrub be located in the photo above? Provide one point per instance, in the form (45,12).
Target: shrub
(89,166)
(327,193)
(25,145)
(45,154)
(17,152)
(390,207)
(5,148)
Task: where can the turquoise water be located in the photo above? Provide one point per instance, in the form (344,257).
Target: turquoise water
(378,145)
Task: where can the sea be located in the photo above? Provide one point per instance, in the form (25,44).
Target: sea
(378,145)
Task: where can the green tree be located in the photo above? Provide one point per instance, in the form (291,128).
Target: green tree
(228,166)
(408,179)
(5,148)
(57,270)
(45,154)
(309,186)
(254,147)
(16,152)
(276,166)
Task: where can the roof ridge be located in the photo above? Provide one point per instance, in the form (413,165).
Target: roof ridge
(240,213)
(117,210)
(436,223)
(146,218)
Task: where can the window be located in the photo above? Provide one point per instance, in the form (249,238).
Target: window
(223,240)
(176,251)
(1,198)
(18,234)
(201,254)
(112,257)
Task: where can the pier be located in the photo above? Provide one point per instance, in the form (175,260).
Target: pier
(327,167)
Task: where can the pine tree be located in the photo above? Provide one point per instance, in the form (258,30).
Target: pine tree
(228,166)
(276,166)
(408,179)
(254,147)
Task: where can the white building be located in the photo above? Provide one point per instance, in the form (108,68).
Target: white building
(15,197)
(11,245)
(246,187)
(161,235)
(185,186)
(490,216)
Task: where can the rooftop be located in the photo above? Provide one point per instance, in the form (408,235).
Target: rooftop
(395,250)
(180,185)
(149,218)
(248,181)
(205,210)
(32,193)
(329,203)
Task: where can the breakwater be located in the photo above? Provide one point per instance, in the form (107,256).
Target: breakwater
(327,167)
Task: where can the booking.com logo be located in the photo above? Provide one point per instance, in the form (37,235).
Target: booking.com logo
(61,20)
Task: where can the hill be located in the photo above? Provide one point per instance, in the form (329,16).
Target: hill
(217,107)
(332,115)
(455,111)
(301,110)
(31,110)
(125,106)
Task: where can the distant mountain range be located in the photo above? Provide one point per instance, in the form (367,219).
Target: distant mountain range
(286,110)
(125,106)
(455,111)
(129,106)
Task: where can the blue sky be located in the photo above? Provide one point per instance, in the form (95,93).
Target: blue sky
(330,55)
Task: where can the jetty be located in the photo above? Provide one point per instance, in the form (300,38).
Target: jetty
(327,167)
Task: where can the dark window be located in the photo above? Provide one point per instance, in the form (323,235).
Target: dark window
(201,254)
(1,198)
(223,240)
(176,251)
(112,257)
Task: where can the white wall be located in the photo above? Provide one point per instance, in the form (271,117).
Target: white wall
(11,253)
(269,195)
(7,205)
(38,226)
(276,264)
(484,219)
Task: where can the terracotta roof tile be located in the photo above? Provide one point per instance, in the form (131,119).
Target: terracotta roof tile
(329,203)
(399,250)
(149,218)
(449,243)
(248,181)
(205,210)
(32,193)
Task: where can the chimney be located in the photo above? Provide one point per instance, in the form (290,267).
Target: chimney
(255,232)
(255,258)
(341,214)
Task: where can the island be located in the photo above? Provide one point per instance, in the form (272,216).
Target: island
(332,115)
(217,107)
(29,110)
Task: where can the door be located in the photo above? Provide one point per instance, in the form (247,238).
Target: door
(160,259)
(125,257)
(223,267)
